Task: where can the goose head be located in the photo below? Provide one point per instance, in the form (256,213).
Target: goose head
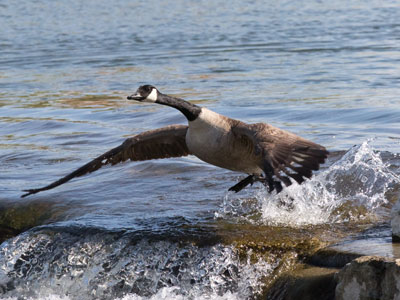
(145,93)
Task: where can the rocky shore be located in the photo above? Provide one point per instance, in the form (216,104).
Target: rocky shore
(362,265)
(359,269)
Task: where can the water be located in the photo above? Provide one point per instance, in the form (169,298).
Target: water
(326,70)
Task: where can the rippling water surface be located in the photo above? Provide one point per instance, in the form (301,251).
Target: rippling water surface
(326,70)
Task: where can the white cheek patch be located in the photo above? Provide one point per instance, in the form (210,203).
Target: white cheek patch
(152,97)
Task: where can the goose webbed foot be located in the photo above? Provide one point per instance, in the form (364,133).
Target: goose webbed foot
(271,184)
(269,181)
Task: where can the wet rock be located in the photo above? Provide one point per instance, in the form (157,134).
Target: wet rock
(395,222)
(304,283)
(331,258)
(368,278)
(375,241)
(16,218)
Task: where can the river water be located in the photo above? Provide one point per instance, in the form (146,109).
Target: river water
(168,229)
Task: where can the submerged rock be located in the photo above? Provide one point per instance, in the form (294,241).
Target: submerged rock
(369,277)
(17,218)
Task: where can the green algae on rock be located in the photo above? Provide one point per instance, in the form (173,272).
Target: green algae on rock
(16,218)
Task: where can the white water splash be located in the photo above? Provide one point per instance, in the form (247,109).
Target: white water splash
(41,297)
(170,294)
(47,266)
(163,294)
(351,187)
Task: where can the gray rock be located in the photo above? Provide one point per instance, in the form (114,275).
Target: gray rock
(369,278)
(395,222)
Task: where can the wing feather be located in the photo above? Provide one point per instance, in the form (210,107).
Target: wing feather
(288,154)
(164,142)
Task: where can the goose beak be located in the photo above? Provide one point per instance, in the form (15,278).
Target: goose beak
(136,97)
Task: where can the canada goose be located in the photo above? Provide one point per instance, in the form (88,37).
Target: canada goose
(266,153)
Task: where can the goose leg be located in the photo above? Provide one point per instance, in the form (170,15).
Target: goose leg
(243,183)
(269,181)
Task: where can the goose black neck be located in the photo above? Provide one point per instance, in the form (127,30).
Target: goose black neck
(191,111)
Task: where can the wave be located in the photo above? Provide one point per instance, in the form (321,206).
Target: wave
(352,188)
(162,294)
(89,265)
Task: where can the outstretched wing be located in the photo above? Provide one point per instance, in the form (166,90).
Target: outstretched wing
(284,155)
(159,143)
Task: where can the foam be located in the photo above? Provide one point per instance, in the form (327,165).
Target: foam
(110,267)
(348,190)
